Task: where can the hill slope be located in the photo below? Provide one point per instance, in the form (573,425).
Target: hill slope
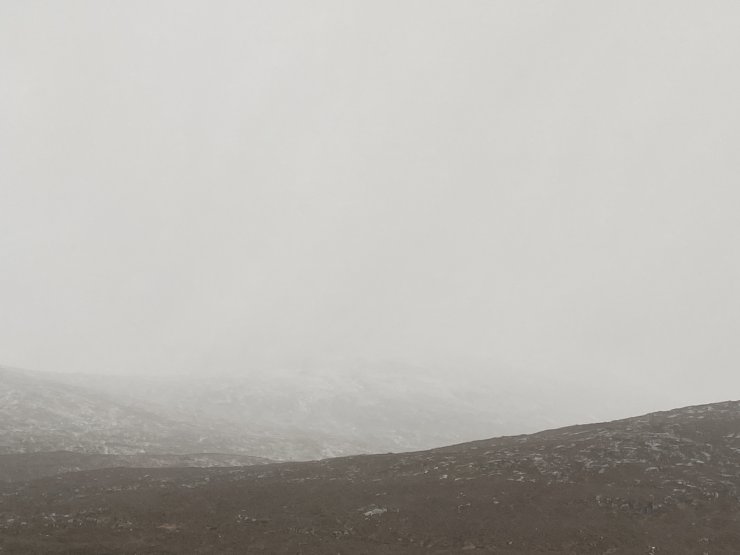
(364,408)
(304,414)
(661,483)
(39,413)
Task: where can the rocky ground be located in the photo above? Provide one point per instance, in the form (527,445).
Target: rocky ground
(662,483)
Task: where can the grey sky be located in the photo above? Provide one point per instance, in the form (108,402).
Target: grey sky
(550,186)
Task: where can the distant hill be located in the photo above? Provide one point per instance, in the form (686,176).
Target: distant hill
(664,483)
(41,414)
(345,410)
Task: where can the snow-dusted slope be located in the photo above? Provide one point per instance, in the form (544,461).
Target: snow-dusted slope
(345,410)
(39,414)
(287,415)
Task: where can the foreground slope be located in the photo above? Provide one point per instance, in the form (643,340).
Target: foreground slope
(661,483)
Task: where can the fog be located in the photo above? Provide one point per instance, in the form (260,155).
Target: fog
(532,189)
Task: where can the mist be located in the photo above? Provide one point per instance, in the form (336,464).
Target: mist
(483,191)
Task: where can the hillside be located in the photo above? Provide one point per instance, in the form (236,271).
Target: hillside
(662,483)
(41,414)
(286,415)
(348,409)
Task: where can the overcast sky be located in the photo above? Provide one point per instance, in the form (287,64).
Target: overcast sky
(548,186)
